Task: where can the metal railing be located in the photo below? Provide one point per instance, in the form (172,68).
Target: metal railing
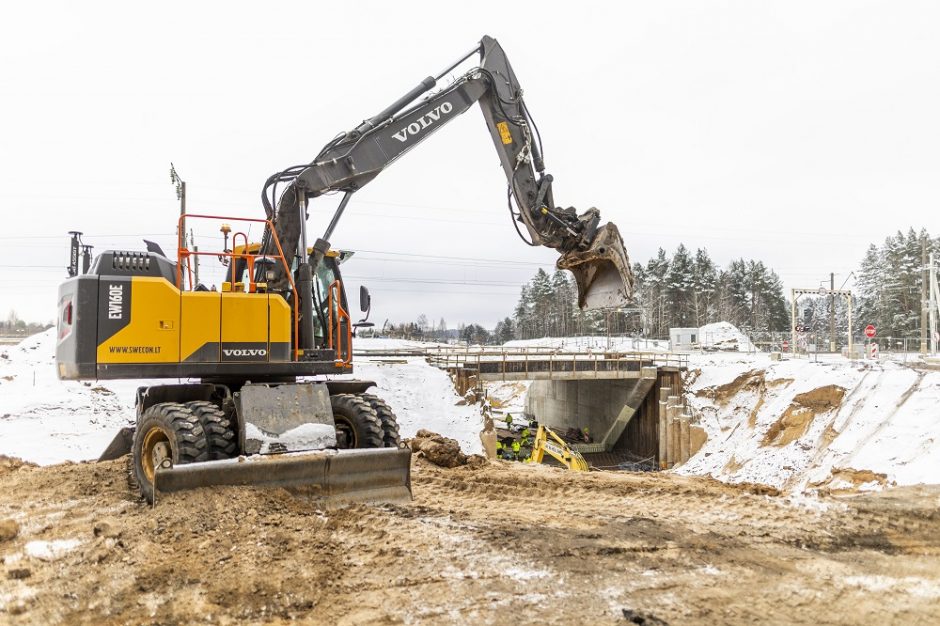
(527,361)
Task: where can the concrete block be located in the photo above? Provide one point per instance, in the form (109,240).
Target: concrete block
(663,433)
(675,433)
(664,393)
(683,439)
(672,441)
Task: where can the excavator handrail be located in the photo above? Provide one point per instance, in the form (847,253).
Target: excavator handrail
(183,253)
(342,360)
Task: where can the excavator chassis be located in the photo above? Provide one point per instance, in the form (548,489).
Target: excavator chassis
(282,435)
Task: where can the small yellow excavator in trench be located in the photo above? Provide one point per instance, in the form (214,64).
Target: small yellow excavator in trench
(548,442)
(255,402)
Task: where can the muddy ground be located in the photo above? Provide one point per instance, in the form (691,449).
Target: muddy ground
(495,544)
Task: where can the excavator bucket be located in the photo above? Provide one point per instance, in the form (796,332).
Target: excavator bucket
(363,475)
(602,272)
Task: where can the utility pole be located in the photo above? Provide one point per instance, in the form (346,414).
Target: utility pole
(934,301)
(923,295)
(181,196)
(832,312)
(192,242)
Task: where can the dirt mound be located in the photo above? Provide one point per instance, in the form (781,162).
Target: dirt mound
(796,420)
(11,464)
(441,451)
(539,544)
(748,381)
(848,480)
(822,399)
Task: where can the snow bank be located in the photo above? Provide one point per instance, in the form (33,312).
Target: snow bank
(423,396)
(379,344)
(46,420)
(877,423)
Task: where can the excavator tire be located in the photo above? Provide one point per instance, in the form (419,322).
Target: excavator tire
(131,474)
(357,425)
(165,430)
(220,436)
(390,434)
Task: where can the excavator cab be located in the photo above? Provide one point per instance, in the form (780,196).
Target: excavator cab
(327,279)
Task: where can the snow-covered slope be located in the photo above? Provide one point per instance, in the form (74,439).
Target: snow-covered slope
(46,420)
(799,423)
(423,397)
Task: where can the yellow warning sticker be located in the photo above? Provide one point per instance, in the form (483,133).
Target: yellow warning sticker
(503,128)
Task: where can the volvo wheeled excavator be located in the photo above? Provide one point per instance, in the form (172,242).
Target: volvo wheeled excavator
(255,402)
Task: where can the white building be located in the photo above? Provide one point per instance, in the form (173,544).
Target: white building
(682,338)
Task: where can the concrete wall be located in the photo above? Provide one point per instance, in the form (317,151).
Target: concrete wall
(594,404)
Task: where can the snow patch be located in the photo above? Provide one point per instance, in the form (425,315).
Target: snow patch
(911,585)
(308,436)
(50,550)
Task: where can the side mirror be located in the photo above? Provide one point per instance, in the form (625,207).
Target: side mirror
(365,305)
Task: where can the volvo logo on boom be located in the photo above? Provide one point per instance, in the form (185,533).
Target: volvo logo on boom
(423,122)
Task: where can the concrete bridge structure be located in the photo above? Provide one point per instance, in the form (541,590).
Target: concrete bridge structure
(630,402)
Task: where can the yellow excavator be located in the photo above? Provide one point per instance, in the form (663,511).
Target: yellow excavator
(548,442)
(255,400)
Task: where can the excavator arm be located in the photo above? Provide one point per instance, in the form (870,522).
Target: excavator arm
(593,253)
(558,449)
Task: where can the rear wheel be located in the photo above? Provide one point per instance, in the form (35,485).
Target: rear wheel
(220,436)
(390,434)
(357,425)
(165,431)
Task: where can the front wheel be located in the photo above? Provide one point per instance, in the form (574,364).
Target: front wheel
(357,425)
(390,434)
(165,431)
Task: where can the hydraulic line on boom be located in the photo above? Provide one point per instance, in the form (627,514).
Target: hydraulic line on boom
(593,253)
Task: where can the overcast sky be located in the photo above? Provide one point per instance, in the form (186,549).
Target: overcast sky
(792,132)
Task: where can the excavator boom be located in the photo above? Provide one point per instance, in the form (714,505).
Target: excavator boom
(594,253)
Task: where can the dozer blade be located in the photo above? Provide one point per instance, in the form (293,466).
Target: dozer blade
(602,272)
(362,475)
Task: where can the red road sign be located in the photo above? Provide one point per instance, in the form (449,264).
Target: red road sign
(786,345)
(870,331)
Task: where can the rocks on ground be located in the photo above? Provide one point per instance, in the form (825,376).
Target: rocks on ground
(441,451)
(8,530)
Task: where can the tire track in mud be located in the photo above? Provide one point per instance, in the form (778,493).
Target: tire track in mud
(488,545)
